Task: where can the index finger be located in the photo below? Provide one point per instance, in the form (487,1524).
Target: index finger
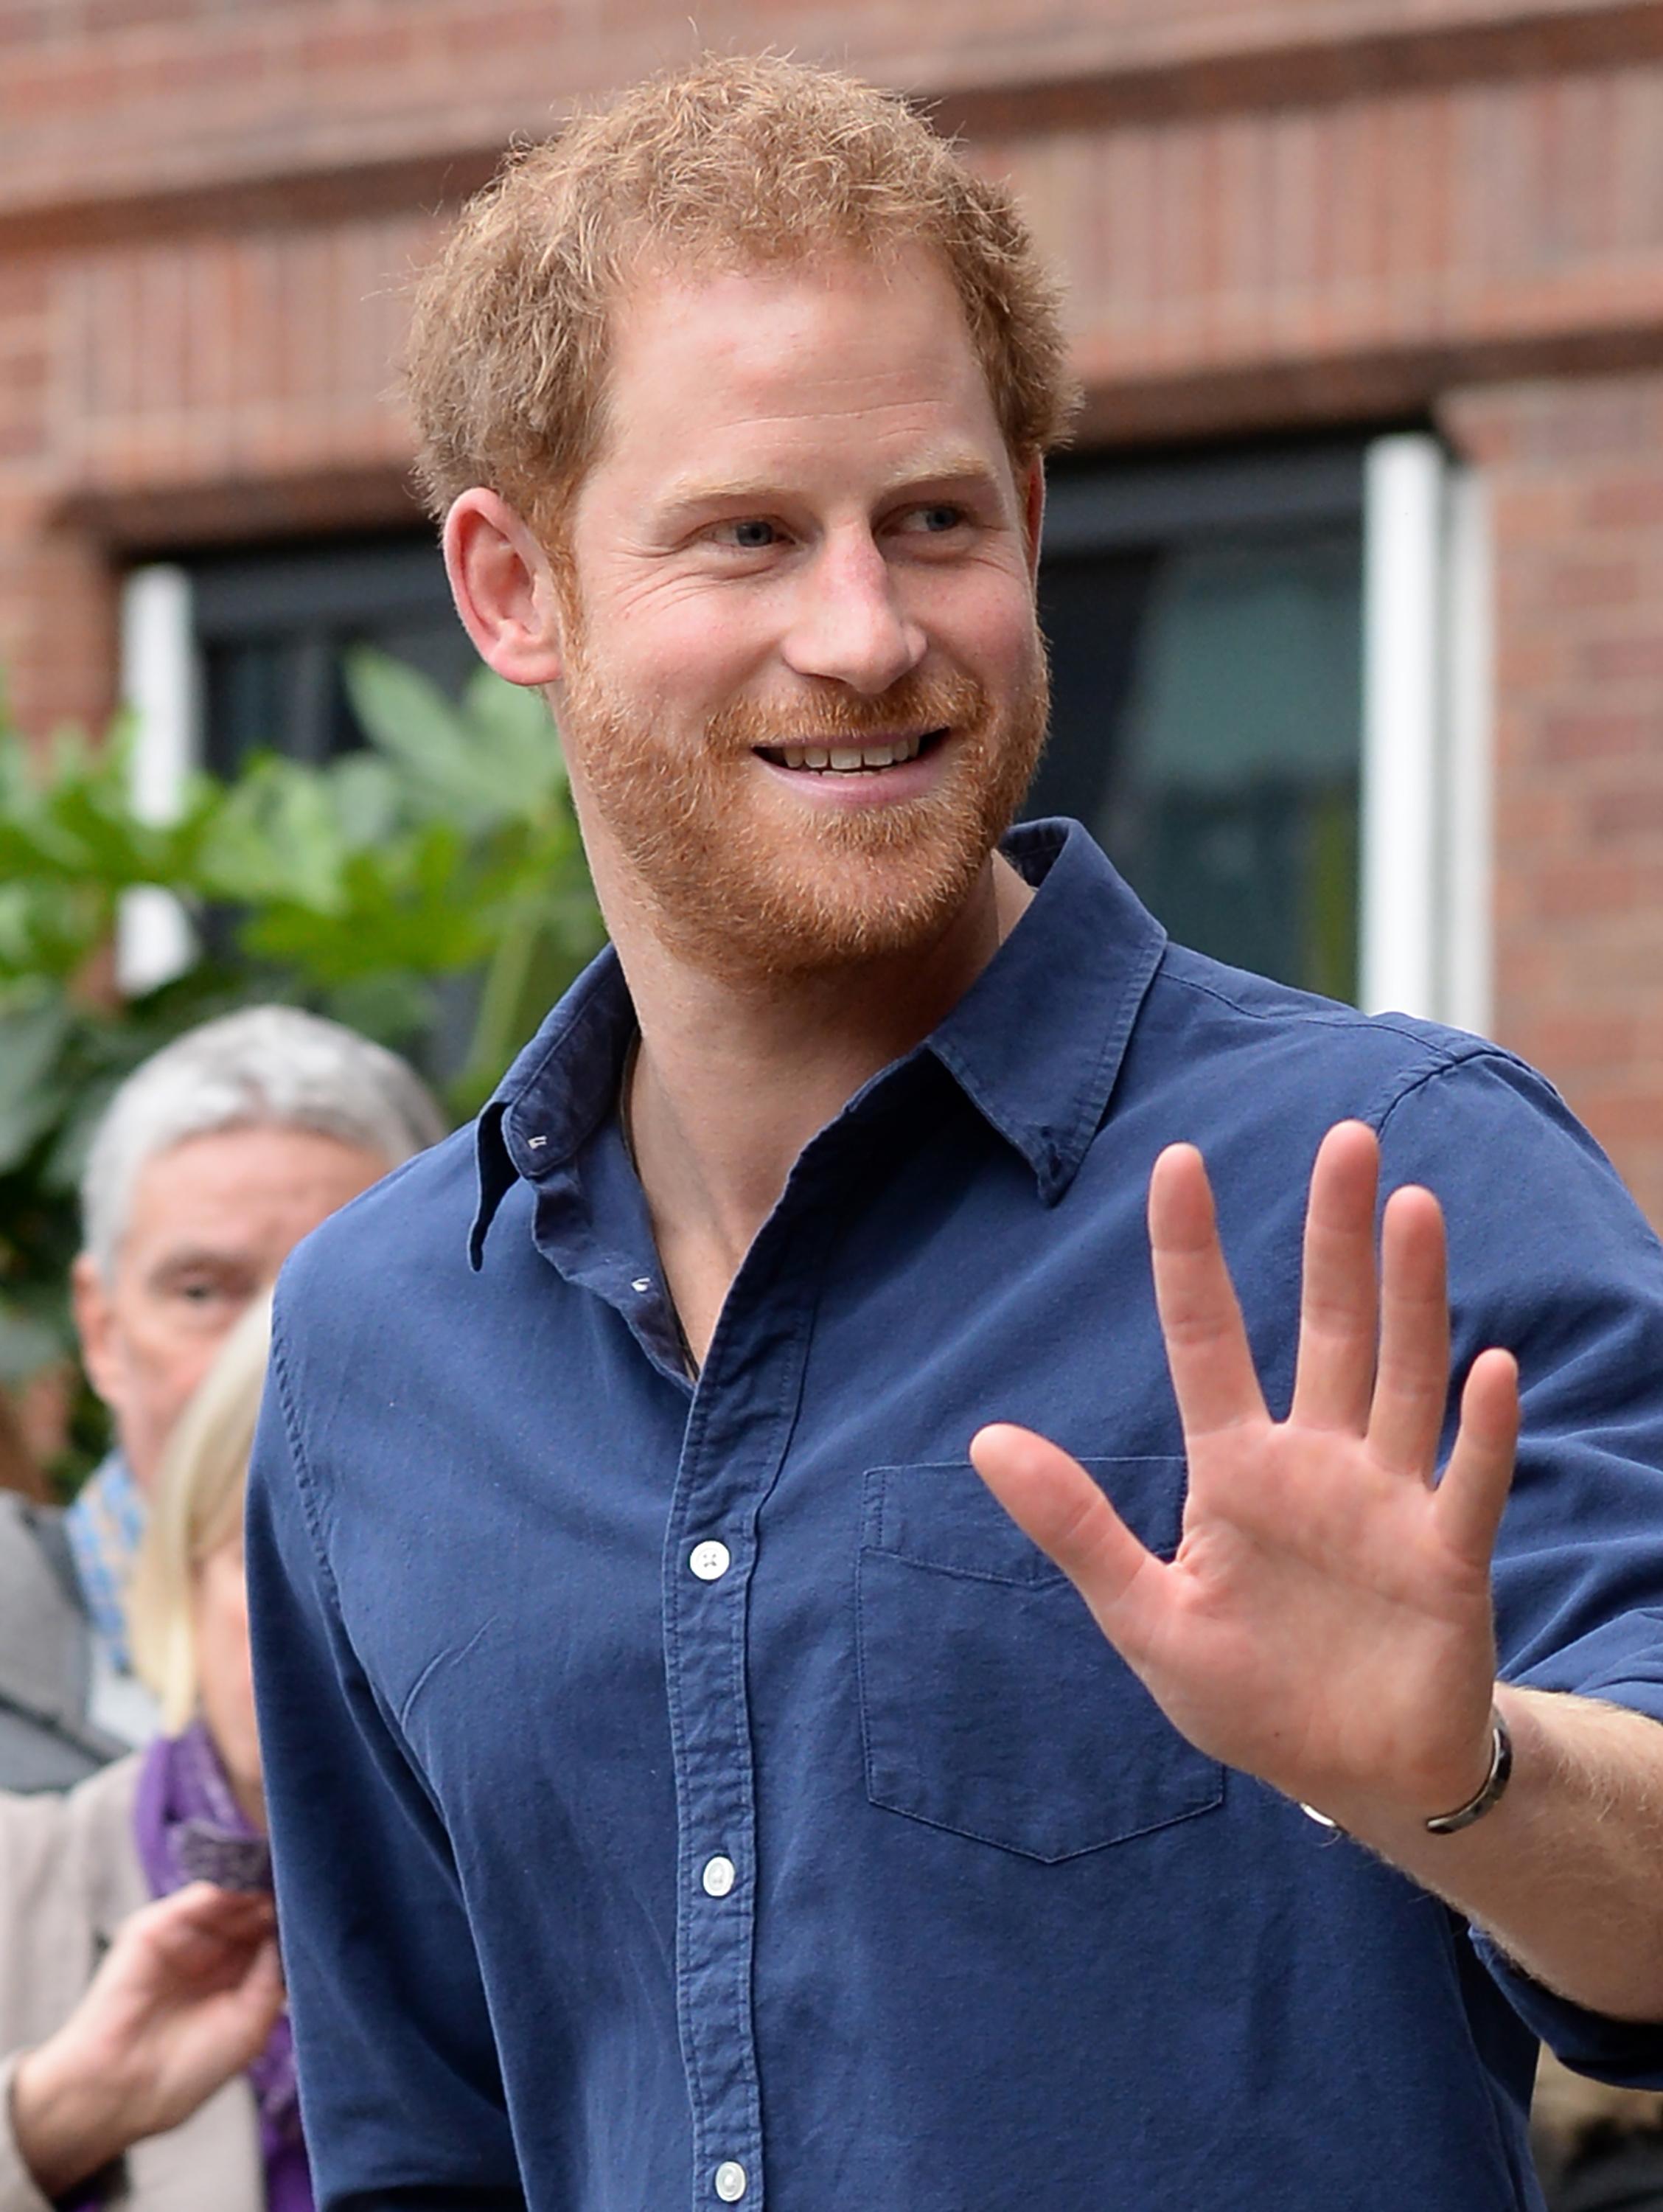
(1207,1350)
(209,1904)
(201,1918)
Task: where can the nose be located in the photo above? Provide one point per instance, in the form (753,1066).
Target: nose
(848,625)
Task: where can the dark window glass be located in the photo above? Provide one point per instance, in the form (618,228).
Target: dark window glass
(272,628)
(1205,619)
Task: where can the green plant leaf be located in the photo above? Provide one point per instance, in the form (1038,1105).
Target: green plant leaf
(31,1089)
(411,723)
(514,728)
(429,888)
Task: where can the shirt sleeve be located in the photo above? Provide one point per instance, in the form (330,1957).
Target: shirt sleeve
(1550,1259)
(401,2092)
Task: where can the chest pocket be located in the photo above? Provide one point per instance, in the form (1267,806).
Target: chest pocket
(991,1703)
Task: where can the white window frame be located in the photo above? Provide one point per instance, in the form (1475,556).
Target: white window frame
(1424,921)
(160,690)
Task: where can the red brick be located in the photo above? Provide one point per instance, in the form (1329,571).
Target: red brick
(1583,738)
(1636,503)
(1593,888)
(1592,583)
(1620,817)
(1620,660)
(1587,1043)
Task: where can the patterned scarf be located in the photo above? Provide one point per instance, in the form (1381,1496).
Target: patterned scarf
(190,1827)
(105,1527)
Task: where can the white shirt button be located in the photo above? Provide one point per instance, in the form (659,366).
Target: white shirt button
(710,1560)
(718,1876)
(730,2181)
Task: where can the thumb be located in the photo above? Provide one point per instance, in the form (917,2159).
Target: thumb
(1053,1500)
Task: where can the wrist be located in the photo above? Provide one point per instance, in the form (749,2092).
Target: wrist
(67,2114)
(1442,1798)
(1489,1791)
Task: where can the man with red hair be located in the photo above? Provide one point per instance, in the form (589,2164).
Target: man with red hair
(695,1777)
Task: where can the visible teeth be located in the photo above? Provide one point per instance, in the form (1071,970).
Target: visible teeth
(849,760)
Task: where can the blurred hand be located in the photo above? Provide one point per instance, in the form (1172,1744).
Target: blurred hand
(184,2000)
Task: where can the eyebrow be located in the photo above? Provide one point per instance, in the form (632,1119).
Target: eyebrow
(188,1259)
(944,470)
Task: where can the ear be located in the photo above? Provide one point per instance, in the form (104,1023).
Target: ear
(1031,486)
(94,1321)
(504,589)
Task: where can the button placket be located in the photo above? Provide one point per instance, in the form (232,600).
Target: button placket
(706,1582)
(739,1428)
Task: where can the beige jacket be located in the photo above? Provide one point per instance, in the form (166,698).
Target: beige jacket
(68,1876)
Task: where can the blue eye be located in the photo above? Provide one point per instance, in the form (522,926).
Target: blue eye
(939,518)
(752,536)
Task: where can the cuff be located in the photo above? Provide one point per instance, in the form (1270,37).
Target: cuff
(1628,2053)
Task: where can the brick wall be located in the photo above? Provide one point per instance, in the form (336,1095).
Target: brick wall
(1576,476)
(1353,256)
(110,97)
(177,389)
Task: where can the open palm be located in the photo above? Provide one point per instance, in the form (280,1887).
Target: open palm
(1326,1622)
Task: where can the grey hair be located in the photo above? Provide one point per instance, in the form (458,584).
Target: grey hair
(263,1067)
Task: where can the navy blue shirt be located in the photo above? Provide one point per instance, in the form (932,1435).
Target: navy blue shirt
(688,1795)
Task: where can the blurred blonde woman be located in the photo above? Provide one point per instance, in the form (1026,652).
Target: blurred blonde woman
(163,2078)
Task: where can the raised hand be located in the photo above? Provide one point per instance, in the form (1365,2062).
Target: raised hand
(184,1998)
(1326,1622)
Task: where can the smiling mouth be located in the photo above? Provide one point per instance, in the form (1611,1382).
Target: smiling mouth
(851,760)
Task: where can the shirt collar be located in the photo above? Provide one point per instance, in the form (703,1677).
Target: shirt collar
(558,1092)
(1035,1043)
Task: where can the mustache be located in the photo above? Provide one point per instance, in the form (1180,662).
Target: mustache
(913,708)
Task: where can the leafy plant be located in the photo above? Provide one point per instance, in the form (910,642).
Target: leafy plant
(431,884)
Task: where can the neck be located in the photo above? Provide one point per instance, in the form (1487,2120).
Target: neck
(249,1795)
(734,1077)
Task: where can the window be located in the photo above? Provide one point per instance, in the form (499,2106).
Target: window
(269,630)
(1270,680)
(1270,683)
(1205,622)
(234,654)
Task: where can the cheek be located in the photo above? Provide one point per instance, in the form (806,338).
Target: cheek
(222,1635)
(684,651)
(988,625)
(162,1393)
(171,1351)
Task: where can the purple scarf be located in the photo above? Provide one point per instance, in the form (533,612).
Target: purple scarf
(190,1827)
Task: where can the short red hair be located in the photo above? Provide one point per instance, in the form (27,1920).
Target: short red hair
(730,163)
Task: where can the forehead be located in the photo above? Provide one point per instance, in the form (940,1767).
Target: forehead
(709,363)
(229,1184)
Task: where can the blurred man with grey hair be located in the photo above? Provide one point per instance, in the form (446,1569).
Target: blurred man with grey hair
(213,1159)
